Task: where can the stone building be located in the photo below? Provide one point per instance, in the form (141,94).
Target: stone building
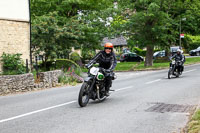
(14,28)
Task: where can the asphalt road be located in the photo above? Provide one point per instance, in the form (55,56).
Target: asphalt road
(144,102)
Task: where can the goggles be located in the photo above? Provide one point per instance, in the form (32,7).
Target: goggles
(108,48)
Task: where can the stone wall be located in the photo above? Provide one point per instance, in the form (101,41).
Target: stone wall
(14,38)
(26,82)
(48,79)
(16,83)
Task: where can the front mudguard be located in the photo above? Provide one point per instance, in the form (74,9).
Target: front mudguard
(91,81)
(87,79)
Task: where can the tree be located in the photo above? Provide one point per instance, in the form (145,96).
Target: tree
(58,25)
(149,27)
(52,40)
(153,23)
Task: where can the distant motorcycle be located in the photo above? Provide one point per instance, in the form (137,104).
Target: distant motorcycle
(93,86)
(175,69)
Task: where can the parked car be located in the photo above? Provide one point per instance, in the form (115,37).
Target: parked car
(159,54)
(195,52)
(131,57)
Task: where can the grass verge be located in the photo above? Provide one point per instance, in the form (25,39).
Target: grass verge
(194,124)
(137,66)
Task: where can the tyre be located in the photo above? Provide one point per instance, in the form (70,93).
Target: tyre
(83,97)
(170,73)
(177,74)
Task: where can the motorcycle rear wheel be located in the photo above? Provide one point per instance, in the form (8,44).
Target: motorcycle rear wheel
(83,97)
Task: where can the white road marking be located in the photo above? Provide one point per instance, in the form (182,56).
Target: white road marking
(150,82)
(129,87)
(48,108)
(37,111)
(190,71)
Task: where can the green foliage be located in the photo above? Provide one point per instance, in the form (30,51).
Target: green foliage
(63,64)
(13,64)
(151,25)
(51,39)
(66,8)
(71,76)
(194,124)
(87,54)
(139,51)
(63,79)
(75,57)
(191,42)
(161,59)
(127,66)
(67,79)
(57,25)
(157,23)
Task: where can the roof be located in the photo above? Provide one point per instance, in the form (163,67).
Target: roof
(119,41)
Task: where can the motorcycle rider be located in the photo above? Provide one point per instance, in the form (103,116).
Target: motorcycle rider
(107,60)
(179,57)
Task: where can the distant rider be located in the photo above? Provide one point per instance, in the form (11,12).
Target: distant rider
(179,57)
(107,60)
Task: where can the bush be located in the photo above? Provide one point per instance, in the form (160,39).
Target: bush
(63,64)
(191,42)
(139,51)
(118,57)
(13,64)
(161,59)
(87,54)
(76,58)
(67,79)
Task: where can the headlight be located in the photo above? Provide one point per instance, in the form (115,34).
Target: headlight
(100,76)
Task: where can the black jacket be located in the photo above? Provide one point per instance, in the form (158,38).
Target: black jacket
(106,61)
(178,57)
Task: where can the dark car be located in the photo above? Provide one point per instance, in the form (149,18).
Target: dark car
(131,57)
(159,54)
(195,52)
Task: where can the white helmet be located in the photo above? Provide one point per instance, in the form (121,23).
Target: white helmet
(178,50)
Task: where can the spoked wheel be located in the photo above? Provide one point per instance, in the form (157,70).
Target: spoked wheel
(177,74)
(170,74)
(83,97)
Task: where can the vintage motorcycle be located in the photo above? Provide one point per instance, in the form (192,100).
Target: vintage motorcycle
(93,86)
(175,69)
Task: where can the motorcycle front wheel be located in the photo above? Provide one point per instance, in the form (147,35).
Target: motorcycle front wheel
(177,74)
(170,73)
(83,97)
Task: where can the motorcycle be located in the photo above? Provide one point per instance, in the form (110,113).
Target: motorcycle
(93,86)
(175,69)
